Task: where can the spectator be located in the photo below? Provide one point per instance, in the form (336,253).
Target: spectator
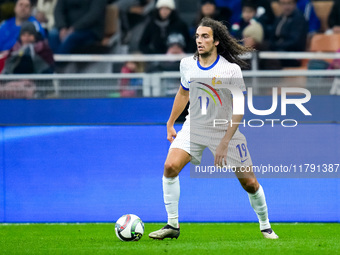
(45,13)
(175,45)
(235,6)
(164,22)
(253,35)
(129,87)
(334,18)
(132,13)
(290,31)
(10,29)
(29,54)
(78,24)
(264,15)
(263,9)
(248,15)
(208,9)
(306,7)
(133,16)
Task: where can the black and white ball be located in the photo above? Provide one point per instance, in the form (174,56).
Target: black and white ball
(129,227)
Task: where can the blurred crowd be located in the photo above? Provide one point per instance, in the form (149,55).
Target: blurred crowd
(33,30)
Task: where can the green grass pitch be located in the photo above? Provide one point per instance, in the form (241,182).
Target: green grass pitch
(195,238)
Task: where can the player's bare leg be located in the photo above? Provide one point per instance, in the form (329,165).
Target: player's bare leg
(176,160)
(174,163)
(257,200)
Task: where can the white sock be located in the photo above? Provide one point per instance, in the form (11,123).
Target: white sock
(171,192)
(258,202)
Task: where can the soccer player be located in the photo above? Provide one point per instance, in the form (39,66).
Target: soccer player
(217,55)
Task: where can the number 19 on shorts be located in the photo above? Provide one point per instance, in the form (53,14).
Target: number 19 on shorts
(242,149)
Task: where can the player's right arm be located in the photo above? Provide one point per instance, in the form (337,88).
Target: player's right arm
(180,102)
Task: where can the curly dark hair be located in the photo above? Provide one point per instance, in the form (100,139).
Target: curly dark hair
(228,46)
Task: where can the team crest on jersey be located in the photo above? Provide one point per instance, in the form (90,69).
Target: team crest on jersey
(215,82)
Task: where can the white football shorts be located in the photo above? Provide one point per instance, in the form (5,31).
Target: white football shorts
(238,153)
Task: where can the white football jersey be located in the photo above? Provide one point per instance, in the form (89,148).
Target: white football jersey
(209,99)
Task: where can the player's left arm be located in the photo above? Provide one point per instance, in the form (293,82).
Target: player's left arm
(222,148)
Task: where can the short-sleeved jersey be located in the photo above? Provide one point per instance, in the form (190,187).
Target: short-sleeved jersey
(209,99)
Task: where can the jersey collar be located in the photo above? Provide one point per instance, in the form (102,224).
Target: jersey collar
(209,67)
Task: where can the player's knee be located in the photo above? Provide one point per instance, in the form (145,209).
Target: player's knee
(171,169)
(250,185)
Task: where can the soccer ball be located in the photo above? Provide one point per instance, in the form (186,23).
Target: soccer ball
(129,227)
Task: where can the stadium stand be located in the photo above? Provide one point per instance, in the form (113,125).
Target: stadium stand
(10,28)
(112,34)
(325,43)
(78,24)
(113,50)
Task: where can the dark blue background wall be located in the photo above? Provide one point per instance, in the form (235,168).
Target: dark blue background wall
(99,172)
(140,110)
